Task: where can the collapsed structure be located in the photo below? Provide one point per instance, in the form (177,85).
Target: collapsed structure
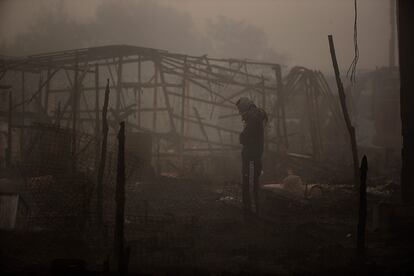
(179,111)
(185,102)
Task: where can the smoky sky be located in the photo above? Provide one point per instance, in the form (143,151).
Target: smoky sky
(292,32)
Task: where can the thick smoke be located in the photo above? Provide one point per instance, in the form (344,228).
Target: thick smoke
(140,23)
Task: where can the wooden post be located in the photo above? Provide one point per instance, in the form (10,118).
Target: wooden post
(40,87)
(316,87)
(281,102)
(310,114)
(97,121)
(74,116)
(102,162)
(119,85)
(139,93)
(47,91)
(182,123)
(166,98)
(9,132)
(266,141)
(406,60)
(392,36)
(187,106)
(362,214)
(155,101)
(120,201)
(342,99)
(23,116)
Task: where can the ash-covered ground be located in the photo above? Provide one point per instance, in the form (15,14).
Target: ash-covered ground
(187,226)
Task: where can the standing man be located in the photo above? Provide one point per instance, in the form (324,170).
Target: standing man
(252,139)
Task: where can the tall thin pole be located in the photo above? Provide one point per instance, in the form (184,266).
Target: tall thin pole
(9,133)
(406,64)
(155,101)
(23,115)
(75,115)
(362,214)
(392,36)
(166,97)
(266,142)
(97,121)
(139,93)
(182,123)
(342,99)
(120,200)
(281,102)
(119,86)
(47,91)
(102,162)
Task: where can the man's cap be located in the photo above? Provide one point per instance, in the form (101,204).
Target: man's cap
(244,103)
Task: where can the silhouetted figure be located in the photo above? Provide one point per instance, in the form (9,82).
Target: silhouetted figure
(252,139)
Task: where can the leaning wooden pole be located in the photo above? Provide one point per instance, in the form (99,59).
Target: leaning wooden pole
(120,201)
(362,214)
(342,99)
(102,162)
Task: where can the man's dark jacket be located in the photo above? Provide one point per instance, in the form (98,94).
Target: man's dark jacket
(252,136)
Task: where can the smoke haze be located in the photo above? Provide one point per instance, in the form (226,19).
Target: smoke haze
(284,31)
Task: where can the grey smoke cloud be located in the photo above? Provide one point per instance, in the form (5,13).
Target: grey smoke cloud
(247,29)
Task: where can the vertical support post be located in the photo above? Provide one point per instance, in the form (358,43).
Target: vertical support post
(266,141)
(75,115)
(392,36)
(97,121)
(406,61)
(342,98)
(120,200)
(316,87)
(281,102)
(46,99)
(187,106)
(139,93)
(311,116)
(166,97)
(182,123)
(23,115)
(9,132)
(40,87)
(99,185)
(155,101)
(119,85)
(362,214)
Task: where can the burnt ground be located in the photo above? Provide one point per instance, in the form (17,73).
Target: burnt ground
(190,227)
